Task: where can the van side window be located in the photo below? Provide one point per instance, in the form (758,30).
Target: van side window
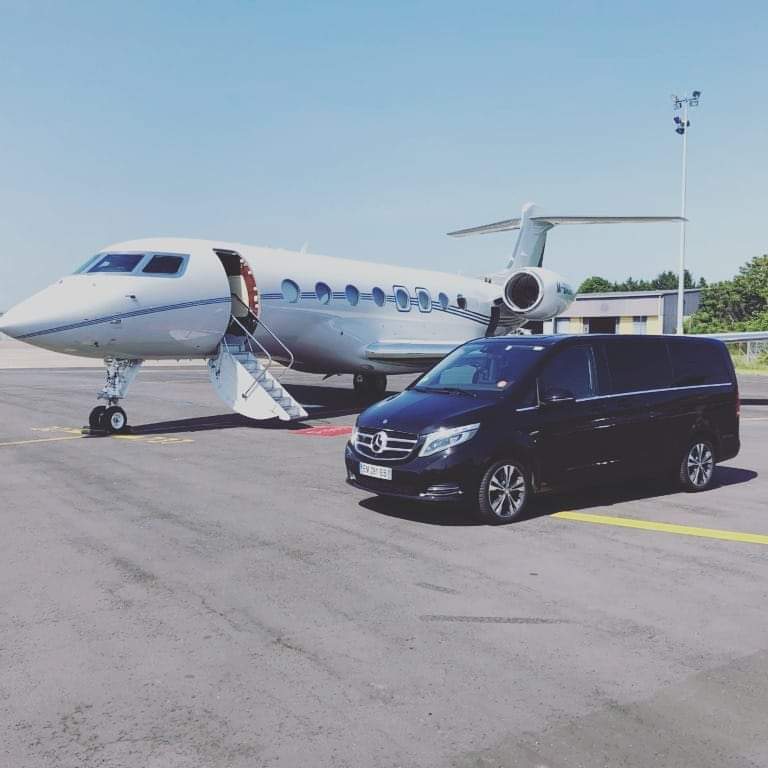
(697,362)
(638,364)
(571,370)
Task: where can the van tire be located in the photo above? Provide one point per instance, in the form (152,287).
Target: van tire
(697,468)
(504,492)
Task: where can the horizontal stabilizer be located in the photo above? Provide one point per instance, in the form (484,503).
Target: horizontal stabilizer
(529,248)
(511,224)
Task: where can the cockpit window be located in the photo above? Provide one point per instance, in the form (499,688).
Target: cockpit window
(117,262)
(84,267)
(163,265)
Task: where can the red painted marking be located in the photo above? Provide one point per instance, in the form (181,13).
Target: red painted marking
(323,431)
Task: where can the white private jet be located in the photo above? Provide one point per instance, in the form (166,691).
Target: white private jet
(243,308)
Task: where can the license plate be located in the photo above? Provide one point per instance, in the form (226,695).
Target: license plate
(372,470)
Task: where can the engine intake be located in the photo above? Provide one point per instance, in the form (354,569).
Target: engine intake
(523,292)
(537,294)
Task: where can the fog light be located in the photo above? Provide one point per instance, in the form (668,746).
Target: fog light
(443,489)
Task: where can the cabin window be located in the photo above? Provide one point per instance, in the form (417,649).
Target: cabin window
(425,300)
(323,293)
(444,300)
(117,262)
(353,295)
(164,264)
(290,291)
(379,297)
(402,298)
(461,302)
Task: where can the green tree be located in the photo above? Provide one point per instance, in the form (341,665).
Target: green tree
(740,304)
(595,284)
(664,281)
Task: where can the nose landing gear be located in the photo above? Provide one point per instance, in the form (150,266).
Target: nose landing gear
(111,418)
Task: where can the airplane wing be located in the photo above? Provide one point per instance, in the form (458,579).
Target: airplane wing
(408,351)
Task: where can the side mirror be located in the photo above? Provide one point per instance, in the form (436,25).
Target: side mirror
(556,396)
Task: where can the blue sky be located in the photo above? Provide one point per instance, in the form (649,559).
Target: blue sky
(369,130)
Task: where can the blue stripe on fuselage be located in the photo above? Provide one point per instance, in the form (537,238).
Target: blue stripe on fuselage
(125,315)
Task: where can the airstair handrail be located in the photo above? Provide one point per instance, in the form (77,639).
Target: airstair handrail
(262,324)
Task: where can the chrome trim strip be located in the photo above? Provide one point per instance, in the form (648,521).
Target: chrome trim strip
(651,391)
(639,392)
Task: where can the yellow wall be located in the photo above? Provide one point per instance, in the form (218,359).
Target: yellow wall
(627,324)
(654,324)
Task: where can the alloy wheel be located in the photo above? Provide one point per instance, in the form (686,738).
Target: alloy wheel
(700,464)
(506,490)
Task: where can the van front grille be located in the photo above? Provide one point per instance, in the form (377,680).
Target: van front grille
(385,444)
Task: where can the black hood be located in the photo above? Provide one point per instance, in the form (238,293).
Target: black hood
(421,412)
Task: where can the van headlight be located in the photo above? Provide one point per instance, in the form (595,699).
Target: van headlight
(447,438)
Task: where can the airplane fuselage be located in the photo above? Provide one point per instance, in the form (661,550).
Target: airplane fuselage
(326,310)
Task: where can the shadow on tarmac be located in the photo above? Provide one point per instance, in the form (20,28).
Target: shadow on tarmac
(320,403)
(754,400)
(548,503)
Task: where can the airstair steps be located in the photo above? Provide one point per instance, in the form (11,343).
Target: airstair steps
(245,383)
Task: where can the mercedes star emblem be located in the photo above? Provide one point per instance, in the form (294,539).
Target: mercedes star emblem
(379,442)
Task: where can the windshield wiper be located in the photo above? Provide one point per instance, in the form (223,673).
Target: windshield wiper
(448,391)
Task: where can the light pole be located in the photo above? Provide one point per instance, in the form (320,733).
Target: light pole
(682,124)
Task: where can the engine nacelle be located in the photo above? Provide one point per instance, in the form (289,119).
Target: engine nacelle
(537,294)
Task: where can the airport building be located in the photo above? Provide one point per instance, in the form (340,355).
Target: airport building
(625,312)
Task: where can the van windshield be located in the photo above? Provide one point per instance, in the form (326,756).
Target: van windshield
(481,366)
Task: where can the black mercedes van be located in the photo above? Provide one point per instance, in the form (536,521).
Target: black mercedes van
(502,418)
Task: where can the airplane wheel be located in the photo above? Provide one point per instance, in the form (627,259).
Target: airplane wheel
(371,386)
(96,417)
(115,421)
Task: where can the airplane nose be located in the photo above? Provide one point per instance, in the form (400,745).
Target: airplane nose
(17,321)
(34,319)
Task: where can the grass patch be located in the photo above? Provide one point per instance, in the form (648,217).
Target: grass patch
(758,365)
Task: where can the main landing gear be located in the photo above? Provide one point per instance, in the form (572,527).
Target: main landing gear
(370,386)
(111,418)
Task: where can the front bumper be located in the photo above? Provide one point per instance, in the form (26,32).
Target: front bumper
(448,476)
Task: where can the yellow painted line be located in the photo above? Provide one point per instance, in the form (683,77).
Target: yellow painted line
(43,440)
(650,525)
(75,434)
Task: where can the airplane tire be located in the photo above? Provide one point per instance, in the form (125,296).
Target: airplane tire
(96,417)
(115,421)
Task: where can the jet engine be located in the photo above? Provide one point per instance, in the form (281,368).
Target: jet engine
(537,294)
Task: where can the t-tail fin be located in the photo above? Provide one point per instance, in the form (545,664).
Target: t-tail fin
(529,247)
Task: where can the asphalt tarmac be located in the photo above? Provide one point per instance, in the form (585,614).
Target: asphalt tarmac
(208,592)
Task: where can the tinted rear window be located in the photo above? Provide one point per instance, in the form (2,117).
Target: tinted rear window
(117,262)
(571,370)
(638,364)
(164,265)
(697,362)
